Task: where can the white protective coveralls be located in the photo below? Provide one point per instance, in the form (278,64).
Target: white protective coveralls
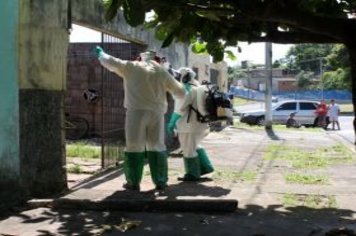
(145,83)
(190,131)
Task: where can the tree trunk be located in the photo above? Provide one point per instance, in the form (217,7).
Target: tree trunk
(352,53)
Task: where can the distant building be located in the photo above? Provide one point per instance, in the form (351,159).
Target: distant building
(282,81)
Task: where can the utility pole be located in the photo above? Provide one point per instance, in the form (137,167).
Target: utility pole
(321,77)
(268,93)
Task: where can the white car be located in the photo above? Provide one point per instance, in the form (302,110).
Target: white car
(304,110)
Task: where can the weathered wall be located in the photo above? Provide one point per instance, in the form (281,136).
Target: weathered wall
(9,108)
(33,61)
(202,66)
(222,76)
(43,40)
(90,13)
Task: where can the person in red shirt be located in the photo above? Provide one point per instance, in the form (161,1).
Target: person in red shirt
(321,112)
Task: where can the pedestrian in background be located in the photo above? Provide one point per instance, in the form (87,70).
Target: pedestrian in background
(334,112)
(291,122)
(321,112)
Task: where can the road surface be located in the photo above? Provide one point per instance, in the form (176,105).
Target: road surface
(347,130)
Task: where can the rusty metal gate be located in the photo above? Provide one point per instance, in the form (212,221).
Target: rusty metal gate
(113,112)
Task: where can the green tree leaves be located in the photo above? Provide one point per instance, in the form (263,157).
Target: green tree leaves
(229,21)
(199,47)
(333,58)
(304,79)
(134,12)
(111,7)
(307,56)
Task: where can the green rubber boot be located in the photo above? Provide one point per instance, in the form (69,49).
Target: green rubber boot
(192,169)
(205,165)
(133,169)
(159,168)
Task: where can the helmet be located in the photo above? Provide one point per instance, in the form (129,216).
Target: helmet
(187,74)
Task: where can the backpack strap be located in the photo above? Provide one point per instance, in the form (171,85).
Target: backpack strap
(200,117)
(189,112)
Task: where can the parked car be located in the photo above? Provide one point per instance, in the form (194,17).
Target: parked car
(304,110)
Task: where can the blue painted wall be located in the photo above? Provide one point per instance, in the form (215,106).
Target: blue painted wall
(9,102)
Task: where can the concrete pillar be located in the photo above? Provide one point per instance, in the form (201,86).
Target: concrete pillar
(43,43)
(10,190)
(33,59)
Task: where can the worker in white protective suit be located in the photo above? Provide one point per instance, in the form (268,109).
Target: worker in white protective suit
(145,84)
(190,131)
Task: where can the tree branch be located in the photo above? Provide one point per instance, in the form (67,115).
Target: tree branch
(343,30)
(293,38)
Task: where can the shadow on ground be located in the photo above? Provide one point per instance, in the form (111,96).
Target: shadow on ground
(252,220)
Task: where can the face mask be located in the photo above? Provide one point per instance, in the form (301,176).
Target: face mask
(186,78)
(146,56)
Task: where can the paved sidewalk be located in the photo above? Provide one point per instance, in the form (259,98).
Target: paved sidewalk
(242,175)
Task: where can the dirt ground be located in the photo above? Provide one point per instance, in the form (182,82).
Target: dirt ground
(250,167)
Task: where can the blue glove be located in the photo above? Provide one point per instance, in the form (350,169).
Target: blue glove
(99,51)
(173,122)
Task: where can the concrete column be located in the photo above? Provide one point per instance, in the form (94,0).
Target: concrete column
(10,189)
(42,48)
(268,92)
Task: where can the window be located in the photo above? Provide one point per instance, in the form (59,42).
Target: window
(307,106)
(196,70)
(214,74)
(287,106)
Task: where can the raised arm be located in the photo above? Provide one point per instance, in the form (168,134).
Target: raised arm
(111,63)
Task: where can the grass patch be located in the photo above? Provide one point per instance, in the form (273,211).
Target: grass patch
(298,178)
(234,176)
(276,127)
(340,154)
(83,150)
(239,125)
(311,201)
(114,151)
(237,101)
(302,159)
(75,169)
(346,107)
(281,127)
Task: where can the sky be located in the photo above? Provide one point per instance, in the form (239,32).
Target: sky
(81,34)
(254,52)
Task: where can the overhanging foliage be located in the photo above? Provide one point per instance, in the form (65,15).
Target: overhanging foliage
(212,26)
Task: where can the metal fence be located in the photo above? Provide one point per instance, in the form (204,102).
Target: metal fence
(105,117)
(339,95)
(113,112)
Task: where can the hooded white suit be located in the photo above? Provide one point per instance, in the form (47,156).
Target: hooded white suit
(191,131)
(146,83)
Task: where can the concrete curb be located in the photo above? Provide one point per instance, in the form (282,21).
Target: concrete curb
(183,205)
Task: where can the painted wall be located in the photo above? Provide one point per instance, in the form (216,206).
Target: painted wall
(9,107)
